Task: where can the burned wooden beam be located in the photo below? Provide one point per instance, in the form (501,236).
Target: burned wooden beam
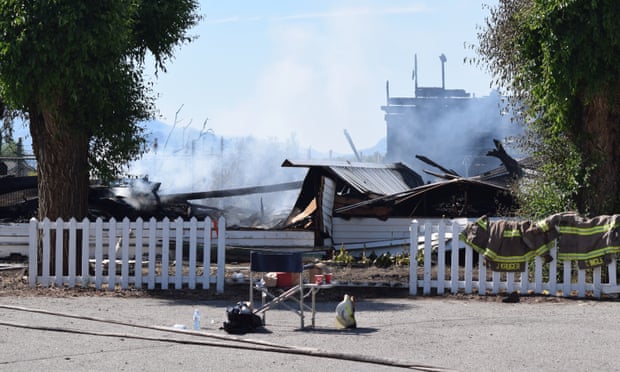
(445,176)
(512,166)
(436,165)
(231,192)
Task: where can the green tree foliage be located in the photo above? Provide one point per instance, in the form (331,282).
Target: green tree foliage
(76,69)
(557,60)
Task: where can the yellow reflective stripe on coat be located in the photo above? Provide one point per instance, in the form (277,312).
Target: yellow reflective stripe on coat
(586,230)
(511,233)
(588,255)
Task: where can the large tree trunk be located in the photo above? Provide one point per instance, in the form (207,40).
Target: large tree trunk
(62,174)
(62,168)
(601,120)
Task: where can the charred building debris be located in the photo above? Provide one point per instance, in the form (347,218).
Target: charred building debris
(394,190)
(18,198)
(512,166)
(458,197)
(504,176)
(384,191)
(329,185)
(469,177)
(140,198)
(329,189)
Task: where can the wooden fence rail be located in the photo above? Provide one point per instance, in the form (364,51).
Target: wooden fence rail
(553,278)
(139,253)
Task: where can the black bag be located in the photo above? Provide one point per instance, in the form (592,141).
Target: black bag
(241,319)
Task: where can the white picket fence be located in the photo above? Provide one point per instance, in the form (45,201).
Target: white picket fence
(137,253)
(475,278)
(143,254)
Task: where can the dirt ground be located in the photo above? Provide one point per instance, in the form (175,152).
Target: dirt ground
(362,282)
(365,282)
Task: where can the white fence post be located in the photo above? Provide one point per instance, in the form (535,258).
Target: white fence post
(33,247)
(126,230)
(98,253)
(58,250)
(111,254)
(413,258)
(221,254)
(581,283)
(525,279)
(178,250)
(469,269)
(611,273)
(482,276)
(428,257)
(441,258)
(206,254)
(553,271)
(454,259)
(72,251)
(45,269)
(566,288)
(193,247)
(138,228)
(596,281)
(85,252)
(538,269)
(152,252)
(165,252)
(496,281)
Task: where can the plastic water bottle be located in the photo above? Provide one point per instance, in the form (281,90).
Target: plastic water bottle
(196,319)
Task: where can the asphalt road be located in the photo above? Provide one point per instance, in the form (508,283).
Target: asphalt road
(446,333)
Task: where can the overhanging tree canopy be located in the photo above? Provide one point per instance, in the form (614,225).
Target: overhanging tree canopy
(76,69)
(558,61)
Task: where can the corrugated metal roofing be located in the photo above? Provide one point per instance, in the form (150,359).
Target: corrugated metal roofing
(367,178)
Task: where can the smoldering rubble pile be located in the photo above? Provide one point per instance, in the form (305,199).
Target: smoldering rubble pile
(136,199)
(508,245)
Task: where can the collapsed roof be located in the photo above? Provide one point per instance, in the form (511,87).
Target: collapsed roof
(368,179)
(347,183)
(458,197)
(394,190)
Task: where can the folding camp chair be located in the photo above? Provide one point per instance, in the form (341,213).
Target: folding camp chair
(290,263)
